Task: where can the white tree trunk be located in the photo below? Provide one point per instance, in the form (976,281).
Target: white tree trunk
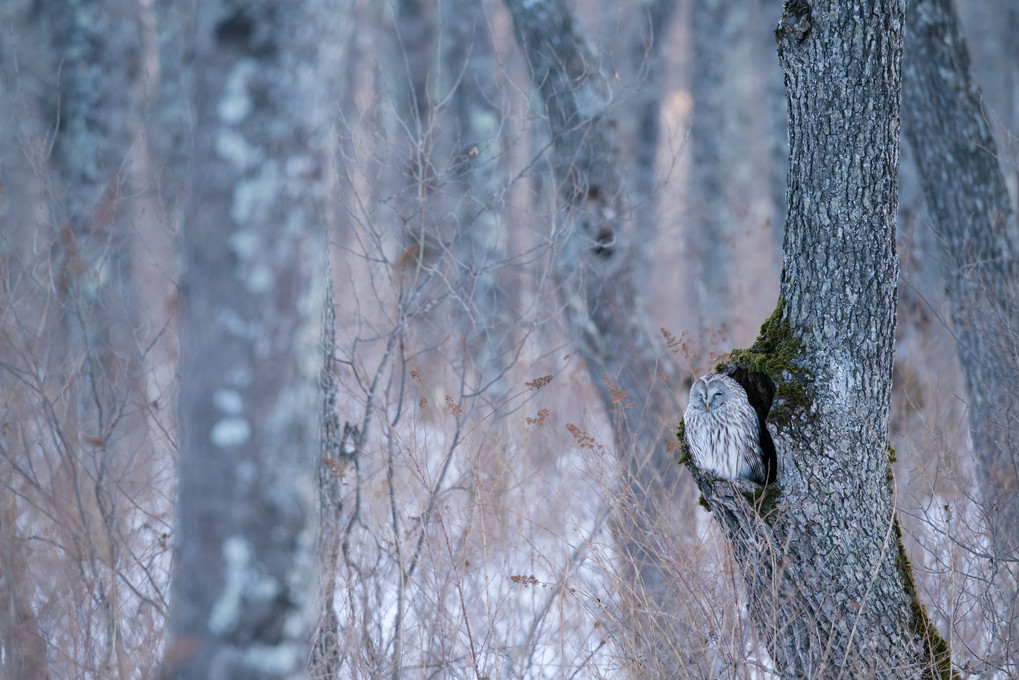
(253,286)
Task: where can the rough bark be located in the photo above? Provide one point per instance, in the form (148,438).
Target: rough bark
(594,274)
(326,654)
(978,249)
(830,588)
(252,296)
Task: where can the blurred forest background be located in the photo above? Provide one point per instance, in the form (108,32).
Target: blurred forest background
(472,509)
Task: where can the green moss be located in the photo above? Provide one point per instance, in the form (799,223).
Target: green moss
(767,500)
(774,349)
(939,653)
(891,454)
(775,353)
(684,450)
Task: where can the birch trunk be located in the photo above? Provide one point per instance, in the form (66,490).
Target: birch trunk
(252,247)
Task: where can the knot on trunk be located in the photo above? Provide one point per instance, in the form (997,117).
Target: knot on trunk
(793,27)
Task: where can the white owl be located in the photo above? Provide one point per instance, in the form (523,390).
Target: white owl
(723,431)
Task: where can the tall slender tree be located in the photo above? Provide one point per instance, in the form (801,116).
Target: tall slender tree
(978,242)
(252,289)
(95,56)
(711,223)
(649,57)
(593,270)
(471,147)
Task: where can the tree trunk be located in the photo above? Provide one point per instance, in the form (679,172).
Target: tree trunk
(413,60)
(978,242)
(778,142)
(471,147)
(738,105)
(22,644)
(649,58)
(830,588)
(991,31)
(95,53)
(710,236)
(252,247)
(594,273)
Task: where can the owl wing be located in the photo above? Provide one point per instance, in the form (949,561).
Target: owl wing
(760,391)
(755,460)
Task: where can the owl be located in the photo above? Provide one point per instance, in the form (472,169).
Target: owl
(723,430)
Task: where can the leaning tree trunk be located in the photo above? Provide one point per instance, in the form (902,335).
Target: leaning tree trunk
(830,589)
(594,274)
(252,289)
(971,216)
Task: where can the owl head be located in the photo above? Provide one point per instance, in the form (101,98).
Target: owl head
(713,393)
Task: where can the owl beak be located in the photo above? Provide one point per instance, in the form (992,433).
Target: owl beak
(707,406)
